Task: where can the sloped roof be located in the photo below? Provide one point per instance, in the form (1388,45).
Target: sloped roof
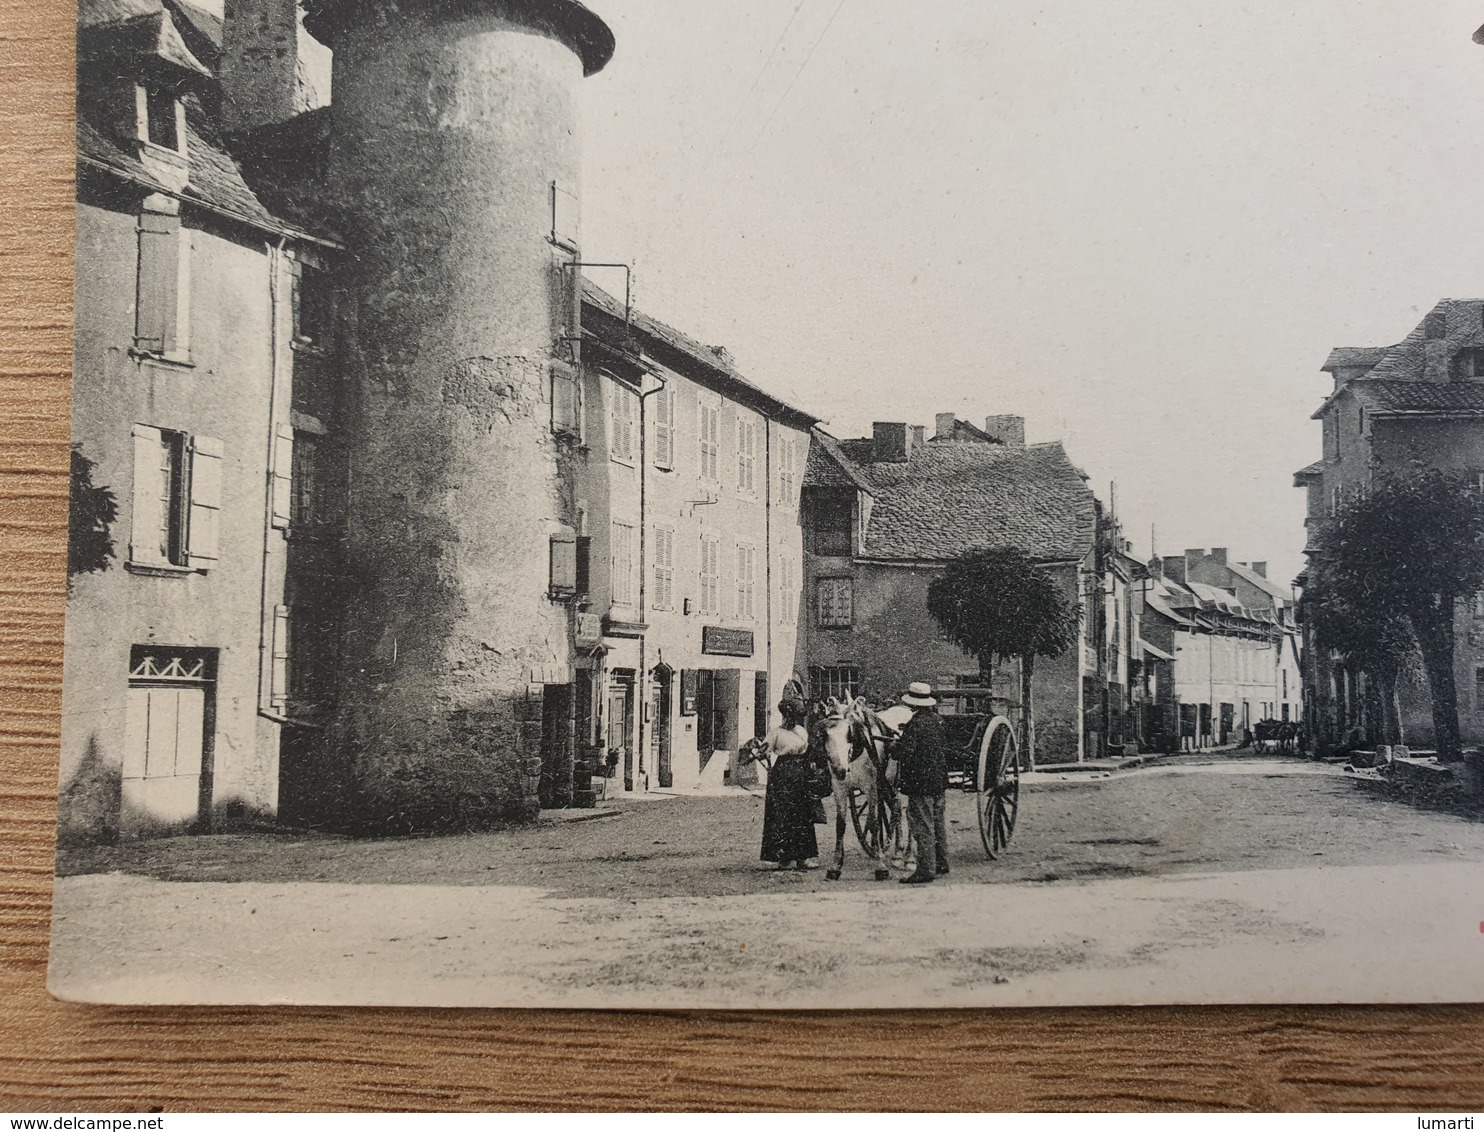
(1350,357)
(708,365)
(1314,469)
(1267,585)
(828,465)
(215,179)
(953,498)
(137,30)
(1382,397)
(1158,605)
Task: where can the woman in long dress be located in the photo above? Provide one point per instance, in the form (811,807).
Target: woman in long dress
(788,810)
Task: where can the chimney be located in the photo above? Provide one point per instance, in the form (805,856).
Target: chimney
(889,442)
(271,68)
(1175,569)
(944,423)
(919,433)
(1009,430)
(1156,567)
(1218,555)
(1260,569)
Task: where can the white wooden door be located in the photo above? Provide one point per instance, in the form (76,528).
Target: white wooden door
(164,743)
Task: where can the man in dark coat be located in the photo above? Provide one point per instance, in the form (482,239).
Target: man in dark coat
(922,775)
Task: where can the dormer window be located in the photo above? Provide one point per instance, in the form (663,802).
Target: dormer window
(1468,364)
(161,118)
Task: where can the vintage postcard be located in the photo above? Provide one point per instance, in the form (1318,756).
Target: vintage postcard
(785,503)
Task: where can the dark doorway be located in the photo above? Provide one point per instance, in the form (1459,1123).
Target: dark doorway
(660,733)
(718,693)
(760,705)
(621,725)
(555,789)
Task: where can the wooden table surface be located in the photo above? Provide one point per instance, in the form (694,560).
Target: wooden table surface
(56,1057)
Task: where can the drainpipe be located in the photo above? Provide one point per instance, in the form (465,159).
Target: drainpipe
(275,371)
(767,573)
(641,690)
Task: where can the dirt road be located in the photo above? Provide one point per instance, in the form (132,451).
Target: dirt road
(1246,880)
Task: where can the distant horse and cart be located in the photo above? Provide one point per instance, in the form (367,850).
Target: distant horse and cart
(858,741)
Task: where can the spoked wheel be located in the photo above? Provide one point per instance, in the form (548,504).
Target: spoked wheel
(886,805)
(998,784)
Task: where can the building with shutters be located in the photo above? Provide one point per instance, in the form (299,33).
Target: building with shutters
(687,557)
(415,530)
(884,514)
(1221,650)
(202,344)
(1418,404)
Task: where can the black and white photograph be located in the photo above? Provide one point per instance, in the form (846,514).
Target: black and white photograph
(663,504)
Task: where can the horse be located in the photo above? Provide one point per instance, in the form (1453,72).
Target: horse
(855,740)
(1283,734)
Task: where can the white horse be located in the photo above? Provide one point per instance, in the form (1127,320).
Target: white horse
(855,742)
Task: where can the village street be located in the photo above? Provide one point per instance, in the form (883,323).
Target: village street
(1216,877)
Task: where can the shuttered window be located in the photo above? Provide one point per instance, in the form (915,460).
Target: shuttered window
(283,476)
(566,400)
(746,455)
(623,564)
(204,523)
(788,591)
(710,574)
(564,563)
(710,430)
(177,499)
(788,473)
(162,293)
(624,418)
(278,676)
(664,568)
(664,429)
(746,582)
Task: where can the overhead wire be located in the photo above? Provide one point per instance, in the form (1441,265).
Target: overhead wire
(805,66)
(777,43)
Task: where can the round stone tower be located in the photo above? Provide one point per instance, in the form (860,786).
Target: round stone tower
(452,121)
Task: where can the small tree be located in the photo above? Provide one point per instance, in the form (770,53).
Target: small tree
(1410,550)
(1000,604)
(91,513)
(1377,642)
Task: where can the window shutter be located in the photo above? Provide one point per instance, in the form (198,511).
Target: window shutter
(566,402)
(204,532)
(145,534)
(564,563)
(278,680)
(283,476)
(664,429)
(159,278)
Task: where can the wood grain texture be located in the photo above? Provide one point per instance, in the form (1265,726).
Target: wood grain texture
(59,1057)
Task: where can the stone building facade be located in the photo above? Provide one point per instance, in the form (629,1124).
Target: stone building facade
(337,366)
(1416,405)
(884,514)
(192,373)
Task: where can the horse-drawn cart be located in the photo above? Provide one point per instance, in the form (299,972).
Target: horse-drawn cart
(984,758)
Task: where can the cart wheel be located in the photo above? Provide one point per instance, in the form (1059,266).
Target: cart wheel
(886,803)
(998,783)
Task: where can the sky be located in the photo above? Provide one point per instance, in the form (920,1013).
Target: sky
(1142,225)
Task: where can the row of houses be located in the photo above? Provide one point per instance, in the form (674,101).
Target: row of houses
(415,527)
(1397,410)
